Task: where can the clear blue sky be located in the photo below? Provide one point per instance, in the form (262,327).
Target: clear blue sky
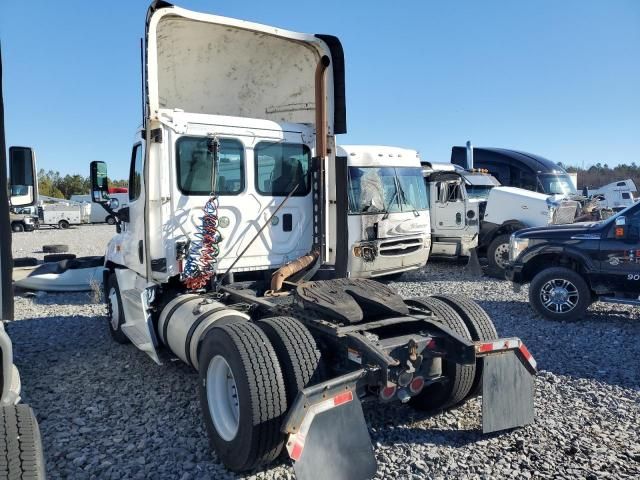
(557,78)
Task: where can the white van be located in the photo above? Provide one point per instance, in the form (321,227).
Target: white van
(98,213)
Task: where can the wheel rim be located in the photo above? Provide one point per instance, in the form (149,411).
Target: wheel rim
(559,295)
(501,255)
(114,309)
(222,397)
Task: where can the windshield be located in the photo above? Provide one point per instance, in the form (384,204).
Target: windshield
(478,192)
(556,184)
(386,189)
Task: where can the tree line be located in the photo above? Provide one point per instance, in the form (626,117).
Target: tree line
(52,184)
(599,174)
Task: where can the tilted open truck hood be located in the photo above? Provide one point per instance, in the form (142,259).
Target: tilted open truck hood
(265,73)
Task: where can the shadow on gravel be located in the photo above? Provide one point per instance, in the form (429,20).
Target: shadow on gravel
(602,346)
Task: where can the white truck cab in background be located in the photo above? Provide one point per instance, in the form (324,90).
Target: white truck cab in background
(615,195)
(389,222)
(471,210)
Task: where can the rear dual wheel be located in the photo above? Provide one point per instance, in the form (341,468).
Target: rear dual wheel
(459,378)
(469,320)
(250,373)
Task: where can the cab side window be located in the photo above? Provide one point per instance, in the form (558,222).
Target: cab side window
(135,173)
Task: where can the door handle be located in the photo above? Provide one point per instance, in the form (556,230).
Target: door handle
(458,218)
(140,251)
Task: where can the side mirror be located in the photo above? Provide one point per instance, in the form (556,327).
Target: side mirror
(24,180)
(99,182)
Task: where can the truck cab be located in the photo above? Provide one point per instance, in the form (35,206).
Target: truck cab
(458,201)
(571,266)
(389,218)
(519,169)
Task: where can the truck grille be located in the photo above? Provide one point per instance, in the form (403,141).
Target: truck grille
(400,247)
(565,212)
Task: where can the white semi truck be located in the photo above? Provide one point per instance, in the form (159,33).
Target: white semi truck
(20,442)
(234,254)
(615,196)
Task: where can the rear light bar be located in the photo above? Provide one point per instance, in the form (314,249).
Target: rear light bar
(504,345)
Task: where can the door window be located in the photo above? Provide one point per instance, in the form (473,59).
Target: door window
(280,167)
(195,164)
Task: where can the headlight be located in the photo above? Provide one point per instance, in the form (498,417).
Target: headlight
(516,247)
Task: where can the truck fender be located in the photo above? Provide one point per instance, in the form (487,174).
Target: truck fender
(564,251)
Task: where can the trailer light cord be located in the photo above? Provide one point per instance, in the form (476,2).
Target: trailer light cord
(202,256)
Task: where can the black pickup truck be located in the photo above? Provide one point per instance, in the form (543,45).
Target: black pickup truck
(571,266)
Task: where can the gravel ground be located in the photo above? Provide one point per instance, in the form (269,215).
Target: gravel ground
(108,411)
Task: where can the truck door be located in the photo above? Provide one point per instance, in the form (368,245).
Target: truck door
(450,206)
(133,242)
(620,257)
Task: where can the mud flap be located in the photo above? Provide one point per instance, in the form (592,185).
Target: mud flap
(473,265)
(507,393)
(337,446)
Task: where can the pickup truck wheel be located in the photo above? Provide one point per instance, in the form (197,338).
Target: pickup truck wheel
(460,378)
(55,248)
(559,293)
(17,227)
(63,224)
(242,395)
(20,444)
(498,255)
(480,327)
(297,352)
(115,311)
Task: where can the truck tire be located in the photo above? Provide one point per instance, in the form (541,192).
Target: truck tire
(115,312)
(242,395)
(297,353)
(25,262)
(63,224)
(559,293)
(480,327)
(56,257)
(498,255)
(20,444)
(110,220)
(56,248)
(17,227)
(441,395)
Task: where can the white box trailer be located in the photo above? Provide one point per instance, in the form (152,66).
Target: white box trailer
(98,212)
